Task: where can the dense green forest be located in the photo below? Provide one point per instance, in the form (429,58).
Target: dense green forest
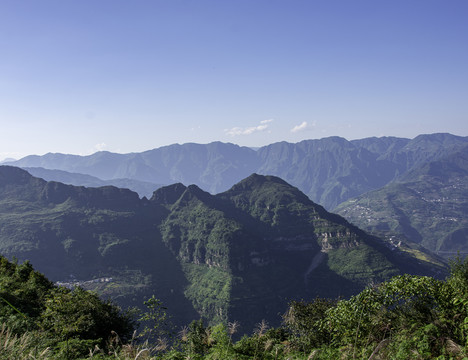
(407,317)
(239,255)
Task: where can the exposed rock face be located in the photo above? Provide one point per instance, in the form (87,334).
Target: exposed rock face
(338,240)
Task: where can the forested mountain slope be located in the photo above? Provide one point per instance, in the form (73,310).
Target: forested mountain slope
(428,206)
(239,255)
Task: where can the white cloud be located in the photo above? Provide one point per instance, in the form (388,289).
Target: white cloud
(236,131)
(100,147)
(302,127)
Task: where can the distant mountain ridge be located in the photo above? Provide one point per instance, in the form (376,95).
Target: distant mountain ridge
(329,171)
(143,188)
(238,255)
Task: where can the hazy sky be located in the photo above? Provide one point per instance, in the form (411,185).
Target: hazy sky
(78,76)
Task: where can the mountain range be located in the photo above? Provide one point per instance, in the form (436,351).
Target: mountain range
(329,171)
(143,188)
(372,182)
(242,254)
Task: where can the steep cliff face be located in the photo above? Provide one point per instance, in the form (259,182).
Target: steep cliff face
(267,243)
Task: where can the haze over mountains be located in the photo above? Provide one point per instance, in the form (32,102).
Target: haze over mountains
(238,255)
(330,171)
(143,188)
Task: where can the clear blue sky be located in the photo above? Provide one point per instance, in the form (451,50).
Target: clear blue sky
(77,76)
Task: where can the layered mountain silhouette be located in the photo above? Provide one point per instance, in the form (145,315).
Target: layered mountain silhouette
(239,255)
(329,171)
(143,188)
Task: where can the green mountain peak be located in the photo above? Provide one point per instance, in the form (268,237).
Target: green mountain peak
(168,195)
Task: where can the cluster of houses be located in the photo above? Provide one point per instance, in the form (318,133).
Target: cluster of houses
(73,282)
